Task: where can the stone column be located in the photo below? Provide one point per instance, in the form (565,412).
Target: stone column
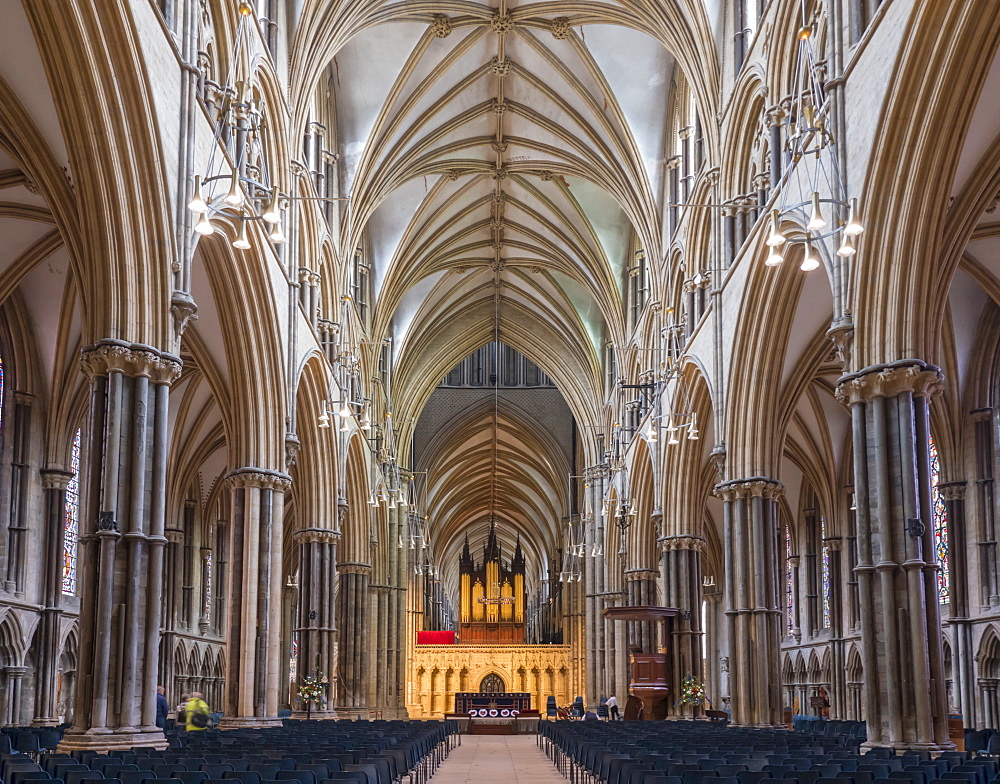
(254,619)
(316,624)
(838,668)
(753,611)
(120,561)
(714,644)
(682,588)
(905,697)
(795,563)
(596,673)
(991,715)
(54,482)
(353,605)
(963,666)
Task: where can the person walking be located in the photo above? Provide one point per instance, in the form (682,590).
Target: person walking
(162,707)
(197,713)
(612,704)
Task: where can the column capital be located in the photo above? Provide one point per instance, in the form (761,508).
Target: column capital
(353,567)
(263,478)
(952,491)
(633,575)
(668,543)
(894,378)
(55,478)
(321,535)
(130,359)
(751,487)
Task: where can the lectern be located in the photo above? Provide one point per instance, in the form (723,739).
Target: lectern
(650,671)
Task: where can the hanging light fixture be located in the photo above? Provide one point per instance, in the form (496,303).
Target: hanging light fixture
(853,227)
(809,259)
(242,242)
(775,238)
(816,220)
(198,203)
(847,248)
(774,258)
(204,226)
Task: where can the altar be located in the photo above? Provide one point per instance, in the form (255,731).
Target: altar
(494,703)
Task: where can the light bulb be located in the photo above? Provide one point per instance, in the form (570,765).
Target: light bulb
(235,195)
(853,227)
(272,212)
(816,220)
(324,420)
(809,260)
(241,242)
(774,258)
(847,248)
(277,235)
(197,203)
(671,427)
(693,434)
(204,226)
(775,237)
(345,411)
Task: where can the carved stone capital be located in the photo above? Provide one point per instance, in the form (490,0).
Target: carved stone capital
(834,543)
(500,67)
(261,478)
(632,575)
(292,447)
(753,487)
(55,479)
(351,567)
(794,561)
(320,535)
(952,491)
(907,375)
(182,309)
(130,359)
(668,543)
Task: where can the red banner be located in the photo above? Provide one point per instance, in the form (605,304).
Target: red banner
(435,638)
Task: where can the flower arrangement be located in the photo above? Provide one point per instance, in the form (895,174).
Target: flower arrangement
(693,692)
(312,689)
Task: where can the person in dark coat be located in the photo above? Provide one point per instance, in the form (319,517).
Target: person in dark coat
(162,707)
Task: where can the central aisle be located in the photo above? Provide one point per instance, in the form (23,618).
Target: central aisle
(491,759)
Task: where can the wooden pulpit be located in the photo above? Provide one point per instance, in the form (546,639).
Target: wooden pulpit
(650,671)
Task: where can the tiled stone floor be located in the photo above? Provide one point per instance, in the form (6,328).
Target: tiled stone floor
(497,759)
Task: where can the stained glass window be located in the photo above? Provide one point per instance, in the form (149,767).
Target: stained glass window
(71,519)
(207,607)
(940,514)
(788,578)
(825,575)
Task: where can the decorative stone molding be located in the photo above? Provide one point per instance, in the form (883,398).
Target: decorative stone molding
(906,375)
(262,478)
(500,67)
(498,146)
(952,491)
(380,590)
(753,487)
(718,460)
(441,26)
(597,472)
(834,543)
(668,543)
(183,309)
(501,24)
(561,28)
(499,109)
(292,447)
(454,174)
(321,535)
(352,567)
(130,359)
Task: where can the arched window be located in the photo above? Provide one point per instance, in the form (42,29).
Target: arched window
(789,580)
(825,573)
(71,520)
(940,522)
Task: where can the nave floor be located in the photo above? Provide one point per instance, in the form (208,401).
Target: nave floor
(497,759)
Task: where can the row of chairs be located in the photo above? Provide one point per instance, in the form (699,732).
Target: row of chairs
(689,753)
(299,753)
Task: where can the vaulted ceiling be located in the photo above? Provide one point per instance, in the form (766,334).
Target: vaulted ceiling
(502,159)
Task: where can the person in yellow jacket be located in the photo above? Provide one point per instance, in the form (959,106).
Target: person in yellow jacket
(197,713)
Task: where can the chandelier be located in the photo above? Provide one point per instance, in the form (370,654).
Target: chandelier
(815,169)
